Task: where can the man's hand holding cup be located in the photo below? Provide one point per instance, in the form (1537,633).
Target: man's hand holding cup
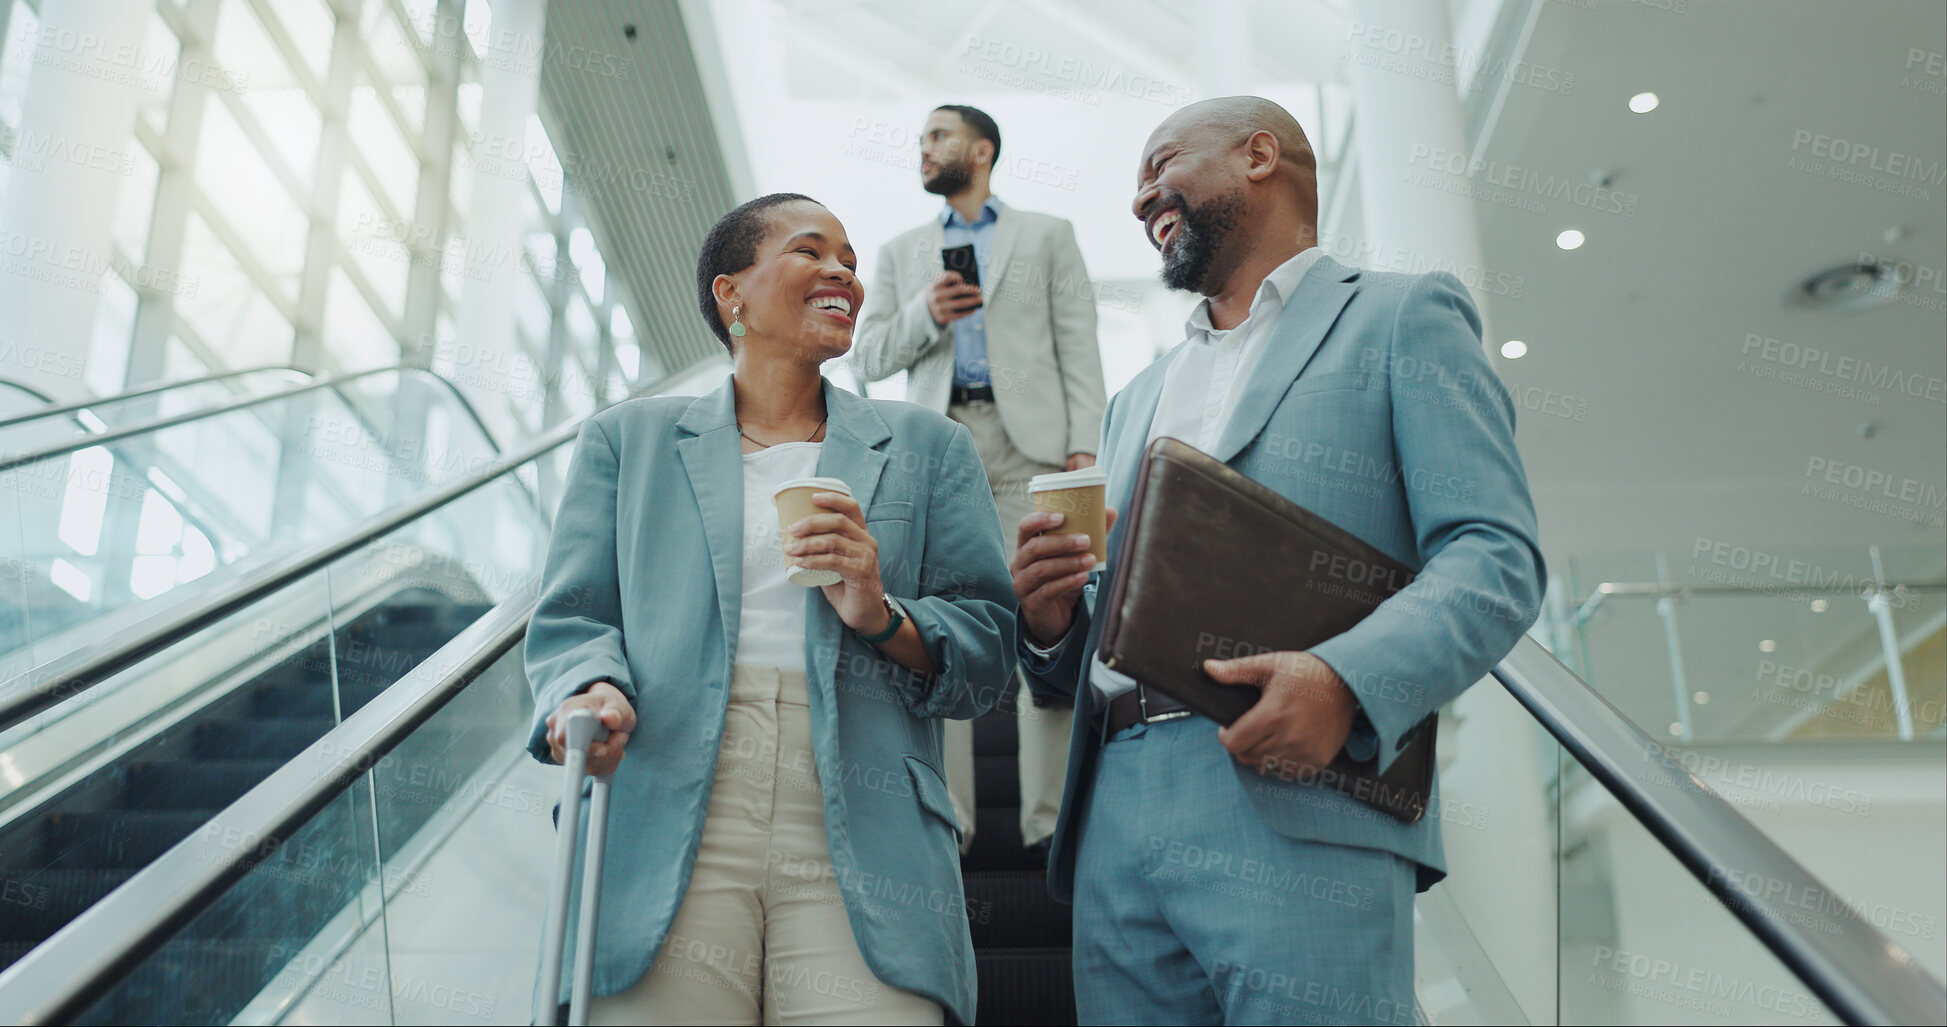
(1049,571)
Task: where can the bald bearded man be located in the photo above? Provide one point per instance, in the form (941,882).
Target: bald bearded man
(1214,880)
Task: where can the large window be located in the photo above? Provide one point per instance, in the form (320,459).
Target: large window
(231,171)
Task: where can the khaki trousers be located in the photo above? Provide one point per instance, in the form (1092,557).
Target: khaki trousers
(1043,732)
(762,936)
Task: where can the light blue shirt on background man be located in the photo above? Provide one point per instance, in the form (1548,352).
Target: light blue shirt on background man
(970,332)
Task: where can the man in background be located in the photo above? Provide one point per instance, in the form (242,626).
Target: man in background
(1014,358)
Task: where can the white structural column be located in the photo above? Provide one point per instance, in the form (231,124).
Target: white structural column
(57,219)
(1408,112)
(510,85)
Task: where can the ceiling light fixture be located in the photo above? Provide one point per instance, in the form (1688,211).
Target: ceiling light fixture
(1767,646)
(1570,239)
(1848,286)
(1514,349)
(1643,103)
(1820,606)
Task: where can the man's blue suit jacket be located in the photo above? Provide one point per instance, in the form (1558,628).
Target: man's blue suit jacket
(1374,407)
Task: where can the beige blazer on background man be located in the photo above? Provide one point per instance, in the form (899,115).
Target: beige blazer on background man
(1042,356)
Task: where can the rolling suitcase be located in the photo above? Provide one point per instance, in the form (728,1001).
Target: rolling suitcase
(583,727)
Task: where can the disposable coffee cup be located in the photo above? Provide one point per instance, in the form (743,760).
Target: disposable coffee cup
(793,499)
(1079,496)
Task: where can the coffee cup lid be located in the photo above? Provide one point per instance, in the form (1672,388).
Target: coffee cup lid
(821,484)
(1081,478)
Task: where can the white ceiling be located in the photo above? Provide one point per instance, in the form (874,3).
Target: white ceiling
(1647,323)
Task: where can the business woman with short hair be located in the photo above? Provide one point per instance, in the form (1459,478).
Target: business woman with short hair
(782,847)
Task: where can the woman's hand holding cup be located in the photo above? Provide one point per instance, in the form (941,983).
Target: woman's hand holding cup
(617,715)
(837,541)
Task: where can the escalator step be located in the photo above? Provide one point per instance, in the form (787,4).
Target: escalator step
(1026,986)
(194,981)
(115,838)
(278,738)
(997,842)
(997,780)
(994,733)
(1012,909)
(302,696)
(41,902)
(310,665)
(192,784)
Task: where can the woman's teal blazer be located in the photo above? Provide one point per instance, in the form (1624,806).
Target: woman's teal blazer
(642,588)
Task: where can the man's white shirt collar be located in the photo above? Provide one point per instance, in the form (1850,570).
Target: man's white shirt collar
(1277,288)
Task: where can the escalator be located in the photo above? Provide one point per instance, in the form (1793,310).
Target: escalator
(204,706)
(31,420)
(48,421)
(193,698)
(113,507)
(77,845)
(353,833)
(1020,933)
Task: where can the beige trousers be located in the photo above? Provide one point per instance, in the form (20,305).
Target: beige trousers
(761,936)
(1043,732)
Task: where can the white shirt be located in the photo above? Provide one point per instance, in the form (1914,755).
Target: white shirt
(1206,379)
(770,629)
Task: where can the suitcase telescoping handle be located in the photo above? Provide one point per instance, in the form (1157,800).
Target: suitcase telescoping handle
(584,727)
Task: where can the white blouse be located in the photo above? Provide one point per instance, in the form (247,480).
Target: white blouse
(770,630)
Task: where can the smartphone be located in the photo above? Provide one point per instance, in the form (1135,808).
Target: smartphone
(961,259)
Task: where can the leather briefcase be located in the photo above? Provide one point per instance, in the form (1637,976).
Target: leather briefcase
(1213,565)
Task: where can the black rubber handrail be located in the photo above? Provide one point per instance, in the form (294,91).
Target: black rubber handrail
(76,672)
(1852,967)
(102,401)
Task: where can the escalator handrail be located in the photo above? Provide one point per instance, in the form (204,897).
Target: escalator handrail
(65,447)
(14,461)
(29,390)
(1852,967)
(60,978)
(76,672)
(101,401)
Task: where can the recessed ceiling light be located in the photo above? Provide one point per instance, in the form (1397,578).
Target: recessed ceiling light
(1514,349)
(1820,606)
(1701,698)
(1767,646)
(1676,728)
(1643,103)
(1849,286)
(1570,239)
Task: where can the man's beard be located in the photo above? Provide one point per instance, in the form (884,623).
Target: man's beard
(950,178)
(1191,261)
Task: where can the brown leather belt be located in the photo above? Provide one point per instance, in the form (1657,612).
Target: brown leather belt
(1140,706)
